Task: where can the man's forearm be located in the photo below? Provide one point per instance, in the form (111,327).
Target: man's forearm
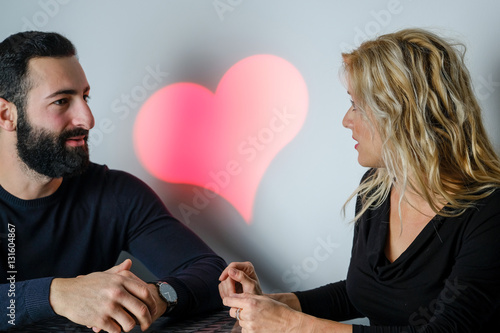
(24,302)
(197,286)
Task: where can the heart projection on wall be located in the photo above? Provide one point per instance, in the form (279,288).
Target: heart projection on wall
(222,142)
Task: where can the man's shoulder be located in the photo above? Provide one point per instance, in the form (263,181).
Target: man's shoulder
(100,175)
(101,171)
(117,185)
(95,169)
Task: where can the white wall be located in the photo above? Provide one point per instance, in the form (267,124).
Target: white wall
(297,237)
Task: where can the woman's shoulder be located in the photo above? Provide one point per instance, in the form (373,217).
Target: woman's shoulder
(489,203)
(484,216)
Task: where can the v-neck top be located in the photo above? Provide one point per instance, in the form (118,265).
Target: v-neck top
(447,280)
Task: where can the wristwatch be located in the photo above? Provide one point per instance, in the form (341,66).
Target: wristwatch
(167,292)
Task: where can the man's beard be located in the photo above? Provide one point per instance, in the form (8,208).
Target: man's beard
(46,152)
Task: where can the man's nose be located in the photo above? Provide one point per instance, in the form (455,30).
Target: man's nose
(83,116)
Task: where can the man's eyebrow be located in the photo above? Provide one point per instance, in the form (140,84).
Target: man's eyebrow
(66,92)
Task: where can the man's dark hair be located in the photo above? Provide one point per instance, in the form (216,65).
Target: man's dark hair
(15,53)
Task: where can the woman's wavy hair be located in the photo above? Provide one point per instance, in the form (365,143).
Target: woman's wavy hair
(418,92)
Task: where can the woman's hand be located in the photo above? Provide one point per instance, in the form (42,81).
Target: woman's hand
(262,314)
(240,289)
(239,277)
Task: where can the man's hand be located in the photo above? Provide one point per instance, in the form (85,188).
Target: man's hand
(113,300)
(161,305)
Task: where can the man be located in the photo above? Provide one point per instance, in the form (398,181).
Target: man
(65,220)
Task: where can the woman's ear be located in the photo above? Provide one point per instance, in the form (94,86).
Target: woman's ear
(8,115)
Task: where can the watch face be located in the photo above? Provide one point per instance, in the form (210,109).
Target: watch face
(168,292)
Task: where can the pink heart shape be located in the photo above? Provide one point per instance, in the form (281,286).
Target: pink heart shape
(223,142)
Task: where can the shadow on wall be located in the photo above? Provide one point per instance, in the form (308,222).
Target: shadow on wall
(220,226)
(226,233)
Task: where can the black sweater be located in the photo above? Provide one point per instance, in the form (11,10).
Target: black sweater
(448,280)
(82,228)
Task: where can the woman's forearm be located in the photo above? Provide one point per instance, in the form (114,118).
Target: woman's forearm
(309,323)
(316,325)
(287,298)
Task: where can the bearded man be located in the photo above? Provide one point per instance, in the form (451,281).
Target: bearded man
(65,220)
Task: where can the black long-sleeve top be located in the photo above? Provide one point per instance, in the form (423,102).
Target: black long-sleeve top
(448,279)
(82,228)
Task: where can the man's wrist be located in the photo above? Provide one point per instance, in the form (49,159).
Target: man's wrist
(168,295)
(55,295)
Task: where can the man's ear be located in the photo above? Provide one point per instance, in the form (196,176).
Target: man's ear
(8,115)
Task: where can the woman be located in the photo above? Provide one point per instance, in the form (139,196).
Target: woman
(425,254)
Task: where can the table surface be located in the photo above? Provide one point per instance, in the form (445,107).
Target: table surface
(212,322)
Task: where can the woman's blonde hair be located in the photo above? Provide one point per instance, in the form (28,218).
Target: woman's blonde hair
(418,92)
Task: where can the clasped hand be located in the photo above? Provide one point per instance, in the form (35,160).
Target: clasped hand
(113,300)
(240,289)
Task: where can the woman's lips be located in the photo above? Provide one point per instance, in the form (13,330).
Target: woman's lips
(357,144)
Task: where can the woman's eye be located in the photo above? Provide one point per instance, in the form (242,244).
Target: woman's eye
(353,105)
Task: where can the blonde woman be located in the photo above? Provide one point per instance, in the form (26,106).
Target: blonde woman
(425,255)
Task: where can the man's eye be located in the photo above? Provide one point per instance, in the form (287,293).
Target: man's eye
(86,98)
(61,101)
